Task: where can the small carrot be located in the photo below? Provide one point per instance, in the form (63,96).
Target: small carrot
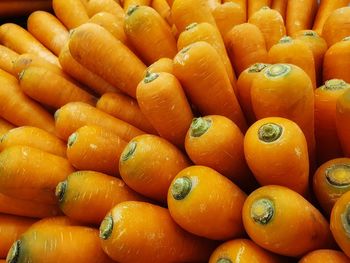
(5,126)
(140,161)
(71,13)
(164,10)
(32,174)
(96,6)
(125,236)
(154,95)
(342,117)
(220,219)
(18,8)
(7,56)
(336,62)
(21,41)
(129,3)
(271,24)
(246,45)
(281,7)
(48,30)
(327,141)
(282,221)
(74,115)
(296,19)
(126,109)
(34,137)
(202,74)
(255,5)
(161,65)
(324,255)
(96,49)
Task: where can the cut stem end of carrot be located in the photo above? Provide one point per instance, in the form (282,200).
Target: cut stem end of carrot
(61,190)
(199,126)
(257,67)
(13,254)
(335,84)
(345,219)
(129,151)
(262,211)
(106,227)
(277,71)
(338,175)
(132,9)
(190,26)
(346,38)
(310,33)
(71,139)
(181,188)
(285,39)
(270,132)
(224,260)
(150,77)
(56,114)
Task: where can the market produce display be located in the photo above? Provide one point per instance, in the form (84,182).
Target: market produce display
(175,131)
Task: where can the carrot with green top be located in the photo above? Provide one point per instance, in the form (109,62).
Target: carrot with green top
(7,56)
(255,5)
(342,117)
(71,13)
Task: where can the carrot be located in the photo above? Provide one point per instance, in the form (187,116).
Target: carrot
(71,13)
(21,41)
(82,74)
(300,15)
(326,7)
(161,65)
(164,10)
(228,15)
(96,6)
(324,255)
(336,63)
(244,249)
(339,223)
(246,45)
(328,145)
(34,137)
(197,185)
(50,88)
(125,236)
(285,90)
(140,161)
(20,110)
(330,181)
(284,52)
(95,148)
(96,49)
(129,3)
(22,7)
(255,5)
(32,174)
(60,220)
(7,77)
(154,95)
(149,33)
(282,221)
(342,117)
(11,227)
(242,3)
(271,24)
(7,56)
(126,109)
(48,30)
(203,75)
(74,115)
(281,7)
(208,33)
(318,47)
(337,26)
(5,126)
(186,12)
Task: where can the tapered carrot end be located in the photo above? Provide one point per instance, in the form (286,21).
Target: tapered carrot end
(262,211)
(106,227)
(338,175)
(181,188)
(270,132)
(61,190)
(13,254)
(128,151)
(199,126)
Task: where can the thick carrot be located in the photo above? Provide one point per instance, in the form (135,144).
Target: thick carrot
(22,7)
(255,5)
(51,89)
(95,148)
(46,28)
(300,15)
(327,142)
(154,95)
(271,24)
(285,52)
(281,7)
(330,181)
(34,137)
(11,227)
(125,236)
(282,221)
(203,75)
(126,109)
(96,49)
(21,41)
(140,161)
(324,255)
(96,6)
(161,65)
(129,3)
(246,45)
(210,34)
(336,62)
(163,8)
(326,7)
(5,126)
(87,196)
(74,115)
(337,26)
(342,119)
(32,174)
(197,185)
(19,109)
(7,56)
(71,13)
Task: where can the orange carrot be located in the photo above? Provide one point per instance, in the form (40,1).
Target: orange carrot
(161,65)
(129,3)
(281,7)
(5,126)
(48,30)
(126,109)
(96,6)
(74,115)
(255,5)
(203,75)
(71,13)
(15,8)
(342,118)
(163,9)
(140,161)
(87,196)
(7,56)
(96,49)
(324,255)
(34,137)
(337,26)
(125,236)
(154,95)
(242,3)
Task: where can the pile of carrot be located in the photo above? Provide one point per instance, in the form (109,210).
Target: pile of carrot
(175,131)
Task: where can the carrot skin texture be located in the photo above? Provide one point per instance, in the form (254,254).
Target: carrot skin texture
(71,13)
(342,118)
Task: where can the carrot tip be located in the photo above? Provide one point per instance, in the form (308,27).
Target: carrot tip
(181,188)
(224,260)
(338,175)
(334,84)
(150,77)
(270,132)
(128,151)
(13,254)
(106,227)
(257,67)
(262,211)
(72,139)
(277,71)
(190,26)
(132,9)
(61,190)
(199,126)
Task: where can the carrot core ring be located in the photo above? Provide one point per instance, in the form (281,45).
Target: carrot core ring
(199,126)
(262,211)
(277,71)
(338,175)
(129,151)
(61,190)
(334,84)
(270,132)
(13,254)
(224,260)
(181,187)
(106,227)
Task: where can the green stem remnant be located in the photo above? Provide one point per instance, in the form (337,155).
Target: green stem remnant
(285,39)
(190,26)
(257,67)
(150,77)
(61,190)
(129,151)
(262,211)
(277,71)
(72,138)
(334,84)
(224,260)
(181,187)
(13,254)
(345,219)
(310,33)
(132,9)
(199,126)
(338,175)
(270,132)
(106,227)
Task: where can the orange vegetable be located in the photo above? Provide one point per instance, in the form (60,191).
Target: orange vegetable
(256,5)
(342,117)
(163,8)
(71,13)
(5,126)
(6,57)
(129,3)
(96,6)
(161,65)
(281,7)
(242,3)
(337,26)
(324,255)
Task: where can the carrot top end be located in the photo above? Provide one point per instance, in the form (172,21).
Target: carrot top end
(190,26)
(56,114)
(335,84)
(262,211)
(257,67)
(277,71)
(224,260)
(61,190)
(346,38)
(285,39)
(13,254)
(132,9)
(21,74)
(345,219)
(181,188)
(150,76)
(270,132)
(199,126)
(338,175)
(310,33)
(106,227)
(72,139)
(128,151)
